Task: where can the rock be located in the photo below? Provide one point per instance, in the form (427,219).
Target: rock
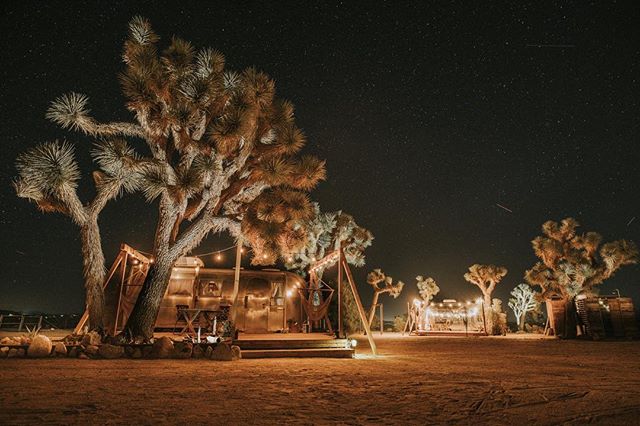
(59,349)
(21,353)
(197,352)
(137,353)
(4,351)
(82,355)
(6,341)
(208,352)
(182,350)
(108,351)
(92,349)
(162,348)
(40,347)
(13,353)
(147,351)
(222,352)
(92,338)
(24,340)
(236,353)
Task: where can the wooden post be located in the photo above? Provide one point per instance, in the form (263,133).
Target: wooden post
(381,320)
(236,280)
(356,296)
(340,260)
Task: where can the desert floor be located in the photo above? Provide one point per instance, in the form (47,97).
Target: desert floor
(415,380)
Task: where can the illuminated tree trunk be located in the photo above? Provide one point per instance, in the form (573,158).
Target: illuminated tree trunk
(488,312)
(372,312)
(93,272)
(140,323)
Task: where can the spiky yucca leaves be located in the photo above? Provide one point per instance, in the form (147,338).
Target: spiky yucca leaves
(572,263)
(48,171)
(327,232)
(375,278)
(274,224)
(427,287)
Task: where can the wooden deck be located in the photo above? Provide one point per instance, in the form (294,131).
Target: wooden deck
(293,345)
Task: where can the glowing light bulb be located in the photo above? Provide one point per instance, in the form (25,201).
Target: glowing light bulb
(218,256)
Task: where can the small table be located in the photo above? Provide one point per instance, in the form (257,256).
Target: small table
(190,315)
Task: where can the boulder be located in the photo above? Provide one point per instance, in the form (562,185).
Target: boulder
(82,355)
(6,341)
(162,348)
(59,349)
(147,352)
(92,349)
(21,353)
(197,352)
(137,353)
(92,338)
(222,352)
(23,340)
(4,351)
(13,353)
(108,351)
(73,352)
(182,350)
(236,353)
(40,347)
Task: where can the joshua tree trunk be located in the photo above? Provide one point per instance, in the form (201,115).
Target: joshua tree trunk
(488,313)
(521,324)
(372,312)
(94,272)
(141,322)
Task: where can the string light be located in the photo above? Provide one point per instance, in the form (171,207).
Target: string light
(218,256)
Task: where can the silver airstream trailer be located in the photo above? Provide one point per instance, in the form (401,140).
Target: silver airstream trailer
(268,300)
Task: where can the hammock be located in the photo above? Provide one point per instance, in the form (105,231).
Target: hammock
(315,312)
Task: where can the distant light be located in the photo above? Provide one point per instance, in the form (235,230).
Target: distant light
(151,260)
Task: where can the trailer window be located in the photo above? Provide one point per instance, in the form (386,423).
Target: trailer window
(210,288)
(277,294)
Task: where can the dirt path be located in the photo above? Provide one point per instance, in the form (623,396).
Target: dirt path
(415,381)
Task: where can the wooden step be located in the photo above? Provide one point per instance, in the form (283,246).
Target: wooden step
(292,344)
(298,353)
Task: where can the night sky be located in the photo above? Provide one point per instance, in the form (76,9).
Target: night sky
(428,116)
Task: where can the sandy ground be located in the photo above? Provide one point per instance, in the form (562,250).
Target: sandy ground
(416,380)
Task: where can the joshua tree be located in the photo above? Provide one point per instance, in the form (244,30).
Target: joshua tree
(376,277)
(49,177)
(326,232)
(223,156)
(571,264)
(522,302)
(486,277)
(427,288)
